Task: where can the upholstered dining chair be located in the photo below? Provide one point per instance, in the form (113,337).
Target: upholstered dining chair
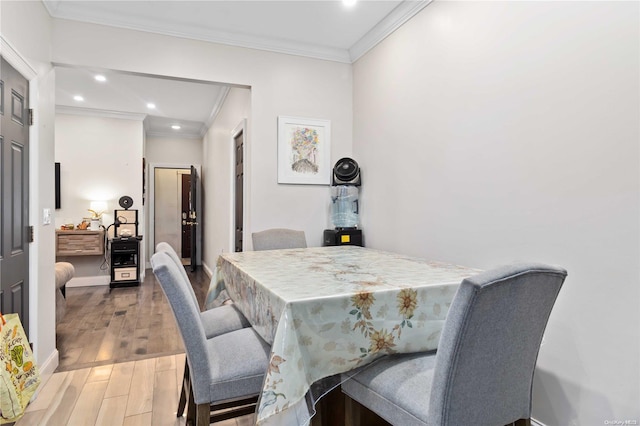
(278,238)
(215,322)
(482,372)
(226,370)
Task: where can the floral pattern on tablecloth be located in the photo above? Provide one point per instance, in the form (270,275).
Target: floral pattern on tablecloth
(329,310)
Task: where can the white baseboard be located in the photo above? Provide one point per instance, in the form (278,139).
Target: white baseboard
(89,281)
(535,422)
(207,270)
(47,368)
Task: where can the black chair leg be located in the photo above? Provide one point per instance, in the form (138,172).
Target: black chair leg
(184,393)
(191,408)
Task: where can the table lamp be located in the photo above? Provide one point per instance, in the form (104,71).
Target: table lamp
(97,208)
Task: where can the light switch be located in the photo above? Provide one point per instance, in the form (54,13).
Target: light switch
(46,216)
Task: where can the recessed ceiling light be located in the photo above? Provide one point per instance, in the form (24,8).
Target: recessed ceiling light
(175,127)
(151,105)
(349,3)
(78,98)
(100,78)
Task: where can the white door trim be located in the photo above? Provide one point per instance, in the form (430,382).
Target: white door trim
(21,65)
(36,335)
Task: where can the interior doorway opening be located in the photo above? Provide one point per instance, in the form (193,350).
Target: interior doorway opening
(175,211)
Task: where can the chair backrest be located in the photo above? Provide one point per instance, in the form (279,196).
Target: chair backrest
(166,247)
(188,320)
(489,345)
(278,238)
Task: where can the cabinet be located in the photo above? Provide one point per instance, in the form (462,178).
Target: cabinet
(125,262)
(79,243)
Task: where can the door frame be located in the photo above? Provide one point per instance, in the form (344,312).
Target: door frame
(152,201)
(20,64)
(240,128)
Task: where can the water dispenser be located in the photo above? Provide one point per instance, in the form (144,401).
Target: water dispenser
(345,205)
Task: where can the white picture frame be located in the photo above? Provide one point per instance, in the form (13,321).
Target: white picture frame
(304,151)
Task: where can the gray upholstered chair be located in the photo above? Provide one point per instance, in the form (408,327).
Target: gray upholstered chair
(278,238)
(482,372)
(225,370)
(215,321)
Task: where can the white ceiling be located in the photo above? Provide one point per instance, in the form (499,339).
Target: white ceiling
(320,29)
(189,104)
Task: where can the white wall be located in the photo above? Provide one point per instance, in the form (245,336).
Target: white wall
(173,150)
(490,132)
(217,175)
(280,85)
(26,28)
(101,160)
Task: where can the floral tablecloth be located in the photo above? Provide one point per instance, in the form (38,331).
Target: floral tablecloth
(329,310)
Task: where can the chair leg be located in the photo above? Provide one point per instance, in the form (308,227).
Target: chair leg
(203,414)
(184,392)
(182,403)
(191,408)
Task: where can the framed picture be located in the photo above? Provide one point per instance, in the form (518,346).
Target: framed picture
(304,151)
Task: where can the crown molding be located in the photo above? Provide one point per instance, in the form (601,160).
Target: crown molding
(92,112)
(394,20)
(12,56)
(169,135)
(210,35)
(216,109)
(398,16)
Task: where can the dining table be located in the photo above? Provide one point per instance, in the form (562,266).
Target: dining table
(326,311)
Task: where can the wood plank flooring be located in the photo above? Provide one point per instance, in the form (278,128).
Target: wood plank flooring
(121,360)
(133,393)
(105,326)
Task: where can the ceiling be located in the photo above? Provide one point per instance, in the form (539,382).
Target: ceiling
(326,30)
(189,104)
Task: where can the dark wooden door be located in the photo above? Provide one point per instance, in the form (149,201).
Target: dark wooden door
(239,176)
(185,227)
(193,219)
(14,193)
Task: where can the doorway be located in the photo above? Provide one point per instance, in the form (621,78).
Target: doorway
(168,206)
(174,210)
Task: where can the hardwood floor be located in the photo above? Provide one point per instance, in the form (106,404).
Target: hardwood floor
(133,393)
(104,326)
(121,360)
